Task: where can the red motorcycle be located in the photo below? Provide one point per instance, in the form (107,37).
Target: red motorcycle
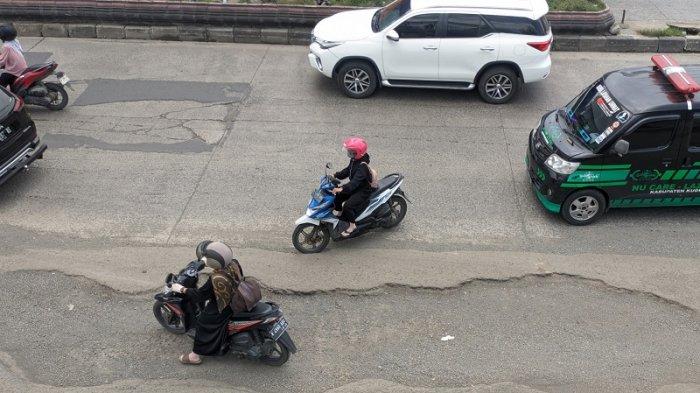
(32,89)
(260,334)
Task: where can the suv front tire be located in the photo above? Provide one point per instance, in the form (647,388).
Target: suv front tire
(357,79)
(499,85)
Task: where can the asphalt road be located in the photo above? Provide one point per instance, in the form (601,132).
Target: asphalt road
(558,334)
(168,143)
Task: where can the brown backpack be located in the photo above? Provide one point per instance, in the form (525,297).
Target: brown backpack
(374,176)
(247,294)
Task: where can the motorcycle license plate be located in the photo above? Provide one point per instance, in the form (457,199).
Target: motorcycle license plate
(64,80)
(278,328)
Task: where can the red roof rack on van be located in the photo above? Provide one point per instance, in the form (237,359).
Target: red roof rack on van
(679,78)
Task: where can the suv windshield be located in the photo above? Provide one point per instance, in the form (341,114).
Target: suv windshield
(389,14)
(594,115)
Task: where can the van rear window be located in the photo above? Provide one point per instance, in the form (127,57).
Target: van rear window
(518,25)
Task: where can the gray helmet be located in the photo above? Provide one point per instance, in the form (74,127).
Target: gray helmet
(215,255)
(7,33)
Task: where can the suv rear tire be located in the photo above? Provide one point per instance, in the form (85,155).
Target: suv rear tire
(498,85)
(584,207)
(357,79)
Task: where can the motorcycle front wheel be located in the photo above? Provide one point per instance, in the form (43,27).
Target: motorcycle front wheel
(168,319)
(309,238)
(58,96)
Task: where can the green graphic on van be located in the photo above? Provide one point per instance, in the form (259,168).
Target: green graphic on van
(655,202)
(645,175)
(540,174)
(598,176)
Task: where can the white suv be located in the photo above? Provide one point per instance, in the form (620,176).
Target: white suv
(448,44)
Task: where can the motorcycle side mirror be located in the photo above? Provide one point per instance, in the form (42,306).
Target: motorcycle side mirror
(392,35)
(621,147)
(169,278)
(328,165)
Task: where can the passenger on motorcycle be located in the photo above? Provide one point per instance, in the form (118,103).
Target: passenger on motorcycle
(12,60)
(353,197)
(219,290)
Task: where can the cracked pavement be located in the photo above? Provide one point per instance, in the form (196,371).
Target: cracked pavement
(232,151)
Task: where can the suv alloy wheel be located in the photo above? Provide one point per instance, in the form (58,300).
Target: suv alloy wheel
(499,85)
(357,79)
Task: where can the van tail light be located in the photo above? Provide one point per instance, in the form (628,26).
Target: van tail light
(19,104)
(541,46)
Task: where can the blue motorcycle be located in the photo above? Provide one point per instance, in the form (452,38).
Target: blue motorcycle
(315,229)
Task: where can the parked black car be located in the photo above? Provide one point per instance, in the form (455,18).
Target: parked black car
(19,143)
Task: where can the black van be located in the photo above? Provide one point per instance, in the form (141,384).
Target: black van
(19,142)
(631,139)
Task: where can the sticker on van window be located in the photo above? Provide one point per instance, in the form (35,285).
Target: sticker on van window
(608,100)
(604,107)
(623,117)
(600,138)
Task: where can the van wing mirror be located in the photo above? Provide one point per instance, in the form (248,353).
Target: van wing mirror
(392,35)
(621,147)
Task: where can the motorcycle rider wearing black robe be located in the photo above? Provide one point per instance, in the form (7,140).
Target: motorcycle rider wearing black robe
(353,197)
(218,291)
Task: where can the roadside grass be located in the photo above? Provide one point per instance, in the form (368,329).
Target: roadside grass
(554,5)
(667,32)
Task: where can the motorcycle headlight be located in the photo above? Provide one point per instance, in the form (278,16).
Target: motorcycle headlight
(560,165)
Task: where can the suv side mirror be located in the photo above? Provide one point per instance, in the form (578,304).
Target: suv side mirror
(392,35)
(621,147)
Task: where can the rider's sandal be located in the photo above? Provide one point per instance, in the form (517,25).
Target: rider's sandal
(185,359)
(346,233)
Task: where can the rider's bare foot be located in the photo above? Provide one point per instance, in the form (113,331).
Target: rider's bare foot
(349,231)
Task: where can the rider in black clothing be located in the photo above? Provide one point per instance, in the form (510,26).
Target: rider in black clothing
(353,197)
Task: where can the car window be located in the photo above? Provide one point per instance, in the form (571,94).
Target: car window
(518,25)
(695,134)
(420,26)
(465,26)
(6,103)
(653,135)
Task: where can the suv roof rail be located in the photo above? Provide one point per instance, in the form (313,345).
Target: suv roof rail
(681,80)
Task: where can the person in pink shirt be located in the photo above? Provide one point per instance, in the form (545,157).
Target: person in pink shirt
(12,61)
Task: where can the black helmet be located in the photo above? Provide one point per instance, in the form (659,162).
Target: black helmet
(216,255)
(7,33)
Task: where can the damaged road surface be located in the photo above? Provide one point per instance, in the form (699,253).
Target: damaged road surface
(155,154)
(553,334)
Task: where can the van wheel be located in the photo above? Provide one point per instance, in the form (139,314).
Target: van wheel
(583,207)
(498,85)
(357,79)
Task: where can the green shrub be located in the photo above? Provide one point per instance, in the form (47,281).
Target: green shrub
(667,32)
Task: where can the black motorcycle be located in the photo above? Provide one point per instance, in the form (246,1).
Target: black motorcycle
(259,334)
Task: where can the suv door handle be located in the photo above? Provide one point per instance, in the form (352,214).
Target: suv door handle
(430,47)
(488,49)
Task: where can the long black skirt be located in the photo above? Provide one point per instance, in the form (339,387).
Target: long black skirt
(211,330)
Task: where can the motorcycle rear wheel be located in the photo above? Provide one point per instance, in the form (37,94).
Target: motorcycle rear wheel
(58,96)
(279,355)
(168,319)
(309,238)
(398,208)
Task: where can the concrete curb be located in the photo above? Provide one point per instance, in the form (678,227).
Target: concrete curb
(302,36)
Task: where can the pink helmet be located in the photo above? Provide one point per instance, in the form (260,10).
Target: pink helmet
(356,145)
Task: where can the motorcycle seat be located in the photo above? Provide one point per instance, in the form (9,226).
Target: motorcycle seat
(260,310)
(35,67)
(386,183)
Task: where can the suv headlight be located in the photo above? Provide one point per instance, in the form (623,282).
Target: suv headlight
(560,165)
(327,44)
